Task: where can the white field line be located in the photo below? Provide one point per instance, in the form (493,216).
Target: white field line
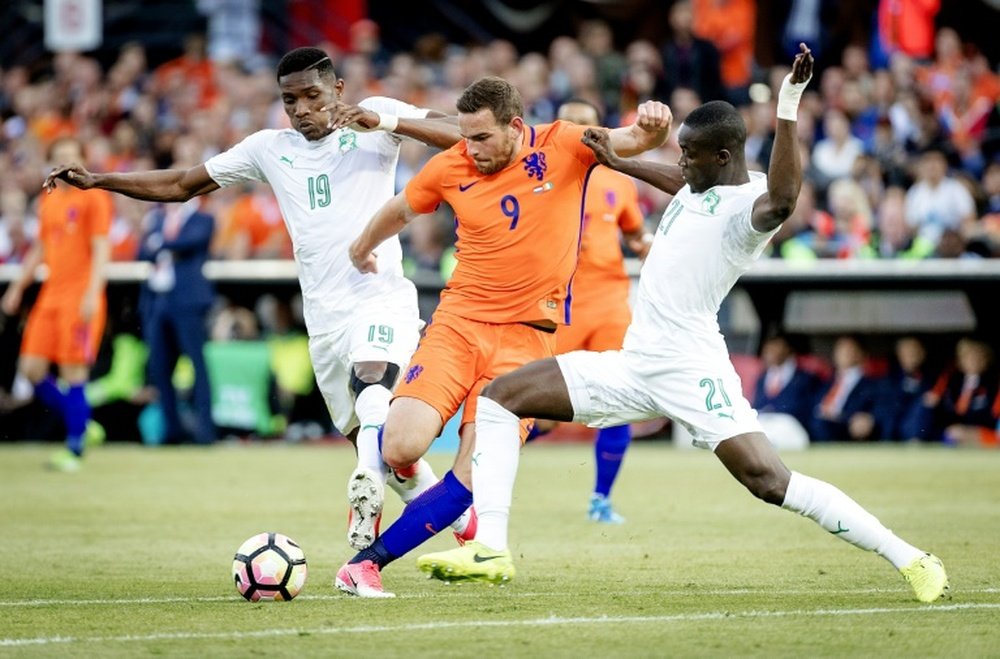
(455,592)
(461,624)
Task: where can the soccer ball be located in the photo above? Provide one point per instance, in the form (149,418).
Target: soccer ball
(269,566)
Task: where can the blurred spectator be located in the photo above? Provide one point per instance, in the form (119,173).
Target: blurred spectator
(365,40)
(784,387)
(252,228)
(233,32)
(964,406)
(797,237)
(759,118)
(896,238)
(899,414)
(937,201)
(191,74)
(174,303)
(834,155)
(597,41)
(729,25)
(642,79)
(904,26)
(847,405)
(17,229)
(689,61)
(850,234)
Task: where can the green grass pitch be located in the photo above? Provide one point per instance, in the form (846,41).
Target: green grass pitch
(131,557)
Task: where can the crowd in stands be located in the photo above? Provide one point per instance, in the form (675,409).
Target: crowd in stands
(905,396)
(901,139)
(900,133)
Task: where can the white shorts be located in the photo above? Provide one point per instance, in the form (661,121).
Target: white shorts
(702,393)
(373,335)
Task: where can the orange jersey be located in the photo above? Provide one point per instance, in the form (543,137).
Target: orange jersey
(611,206)
(69,219)
(518,229)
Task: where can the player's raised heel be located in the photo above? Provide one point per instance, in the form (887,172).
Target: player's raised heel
(928,579)
(471,562)
(365,493)
(361,579)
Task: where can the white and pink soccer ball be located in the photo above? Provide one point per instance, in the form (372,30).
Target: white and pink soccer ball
(269,566)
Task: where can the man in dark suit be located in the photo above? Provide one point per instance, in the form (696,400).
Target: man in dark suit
(784,387)
(846,407)
(174,304)
(900,415)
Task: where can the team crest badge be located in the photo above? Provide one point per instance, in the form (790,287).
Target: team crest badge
(710,202)
(413,373)
(534,164)
(348,141)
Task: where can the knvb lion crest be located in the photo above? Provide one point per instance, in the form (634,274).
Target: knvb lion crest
(534,164)
(413,373)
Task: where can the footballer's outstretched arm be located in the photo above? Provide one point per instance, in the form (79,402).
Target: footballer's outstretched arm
(784,173)
(155,185)
(662,176)
(387,222)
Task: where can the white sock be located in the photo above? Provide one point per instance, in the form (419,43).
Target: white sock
(409,489)
(494,468)
(372,406)
(839,514)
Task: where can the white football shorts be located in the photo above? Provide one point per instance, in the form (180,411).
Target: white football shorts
(702,393)
(388,334)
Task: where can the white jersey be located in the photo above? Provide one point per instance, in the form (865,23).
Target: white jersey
(703,244)
(327,190)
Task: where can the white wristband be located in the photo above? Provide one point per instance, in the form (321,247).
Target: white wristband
(387,122)
(788,98)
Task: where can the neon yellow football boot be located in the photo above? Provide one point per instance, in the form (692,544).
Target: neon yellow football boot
(927,577)
(473,561)
(64,460)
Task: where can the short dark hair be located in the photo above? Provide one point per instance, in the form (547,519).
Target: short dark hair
(303,59)
(501,97)
(718,123)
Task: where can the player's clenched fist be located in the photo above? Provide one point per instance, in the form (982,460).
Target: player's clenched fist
(654,116)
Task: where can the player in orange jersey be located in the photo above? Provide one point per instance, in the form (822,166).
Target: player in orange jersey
(600,313)
(67,321)
(517,193)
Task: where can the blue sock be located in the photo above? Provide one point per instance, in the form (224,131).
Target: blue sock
(432,511)
(535,433)
(48,392)
(77,413)
(609,449)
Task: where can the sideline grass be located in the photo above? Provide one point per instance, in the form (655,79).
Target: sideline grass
(131,556)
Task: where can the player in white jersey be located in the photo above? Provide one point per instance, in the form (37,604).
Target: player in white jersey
(674,361)
(330,172)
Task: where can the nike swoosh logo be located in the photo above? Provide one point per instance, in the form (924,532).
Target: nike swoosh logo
(428,526)
(354,584)
(463,188)
(482,559)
